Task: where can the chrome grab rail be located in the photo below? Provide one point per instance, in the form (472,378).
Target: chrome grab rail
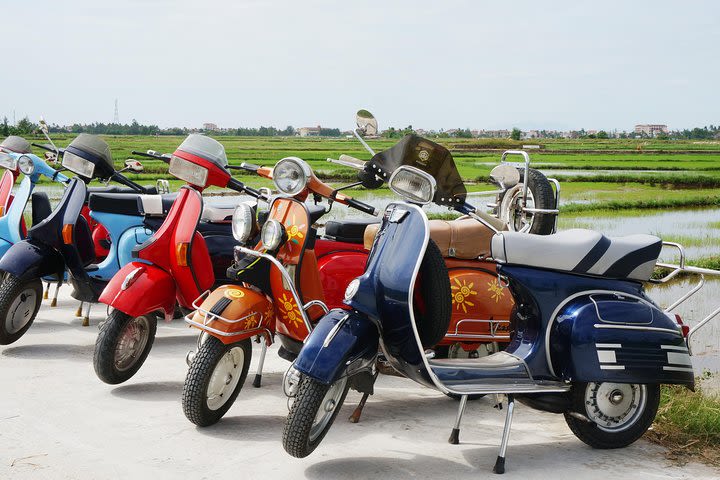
(285,275)
(525,156)
(204,327)
(494,326)
(682,267)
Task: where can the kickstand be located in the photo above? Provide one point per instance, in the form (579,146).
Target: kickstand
(258,376)
(455,434)
(86,319)
(53,302)
(355,417)
(499,467)
(78,312)
(46,293)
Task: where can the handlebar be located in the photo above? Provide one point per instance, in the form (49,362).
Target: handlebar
(363,207)
(250,167)
(48,148)
(151,154)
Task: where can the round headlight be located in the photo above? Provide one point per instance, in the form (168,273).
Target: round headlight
(243,221)
(273,234)
(291,175)
(352,289)
(26,165)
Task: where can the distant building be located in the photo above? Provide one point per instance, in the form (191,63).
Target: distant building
(309,131)
(651,130)
(209,126)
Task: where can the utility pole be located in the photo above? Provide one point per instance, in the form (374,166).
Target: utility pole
(116,117)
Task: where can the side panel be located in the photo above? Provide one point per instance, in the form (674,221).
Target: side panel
(6,183)
(122,234)
(619,338)
(10,229)
(152,289)
(352,348)
(337,270)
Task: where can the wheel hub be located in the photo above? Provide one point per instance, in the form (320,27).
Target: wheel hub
(224,378)
(132,342)
(614,406)
(20,311)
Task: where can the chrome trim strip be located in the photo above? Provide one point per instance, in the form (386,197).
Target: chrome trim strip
(673,347)
(612,367)
(333,331)
(608,345)
(642,329)
(678,369)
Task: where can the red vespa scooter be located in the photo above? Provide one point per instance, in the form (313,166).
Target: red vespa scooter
(174,265)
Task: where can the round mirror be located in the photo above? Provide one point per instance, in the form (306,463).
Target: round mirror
(505,175)
(134,165)
(366,123)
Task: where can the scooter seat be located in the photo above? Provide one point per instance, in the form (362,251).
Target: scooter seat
(463,238)
(350,231)
(116,189)
(217,213)
(581,251)
(120,203)
(41,208)
(315,211)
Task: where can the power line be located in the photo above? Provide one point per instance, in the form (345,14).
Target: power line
(116,117)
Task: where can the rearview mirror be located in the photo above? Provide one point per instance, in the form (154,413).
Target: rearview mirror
(505,175)
(43,126)
(366,123)
(133,165)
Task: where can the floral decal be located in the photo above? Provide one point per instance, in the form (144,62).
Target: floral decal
(496,291)
(289,310)
(460,293)
(294,231)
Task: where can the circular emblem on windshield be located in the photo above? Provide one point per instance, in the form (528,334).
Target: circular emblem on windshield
(424,155)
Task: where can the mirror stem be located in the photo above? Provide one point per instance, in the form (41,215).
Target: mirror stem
(364,144)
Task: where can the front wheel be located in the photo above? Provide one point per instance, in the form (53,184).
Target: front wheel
(19,303)
(312,414)
(616,414)
(214,380)
(123,345)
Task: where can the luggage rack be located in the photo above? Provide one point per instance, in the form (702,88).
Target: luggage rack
(211,317)
(682,267)
(492,336)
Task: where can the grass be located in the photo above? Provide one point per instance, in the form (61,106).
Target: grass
(688,425)
(601,208)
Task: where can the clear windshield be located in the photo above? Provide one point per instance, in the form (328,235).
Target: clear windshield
(428,156)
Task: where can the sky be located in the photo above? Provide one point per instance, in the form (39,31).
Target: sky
(430,64)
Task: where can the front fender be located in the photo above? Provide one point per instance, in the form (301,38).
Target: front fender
(140,288)
(353,346)
(28,259)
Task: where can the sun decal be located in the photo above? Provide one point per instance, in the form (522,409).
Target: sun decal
(252,321)
(293,231)
(289,311)
(460,293)
(496,291)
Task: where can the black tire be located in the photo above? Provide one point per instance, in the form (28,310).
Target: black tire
(543,196)
(108,367)
(197,406)
(299,440)
(608,436)
(433,319)
(20,301)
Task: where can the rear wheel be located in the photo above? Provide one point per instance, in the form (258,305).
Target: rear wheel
(214,380)
(618,413)
(19,303)
(312,414)
(123,345)
(540,195)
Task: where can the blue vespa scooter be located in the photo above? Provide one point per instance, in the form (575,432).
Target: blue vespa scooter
(61,248)
(587,340)
(16,157)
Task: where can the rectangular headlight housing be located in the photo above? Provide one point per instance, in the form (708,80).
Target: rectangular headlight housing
(77,164)
(413,184)
(8,161)
(188,171)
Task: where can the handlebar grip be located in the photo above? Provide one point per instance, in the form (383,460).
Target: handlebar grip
(250,167)
(351,159)
(165,158)
(363,207)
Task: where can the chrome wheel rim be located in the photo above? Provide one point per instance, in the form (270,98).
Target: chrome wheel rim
(519,220)
(615,407)
(21,311)
(133,340)
(328,405)
(225,378)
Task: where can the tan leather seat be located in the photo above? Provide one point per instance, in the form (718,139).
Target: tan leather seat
(464,238)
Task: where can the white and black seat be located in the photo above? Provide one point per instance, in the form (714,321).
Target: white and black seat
(581,251)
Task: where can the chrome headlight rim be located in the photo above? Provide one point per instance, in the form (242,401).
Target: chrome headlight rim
(243,222)
(301,166)
(407,195)
(273,235)
(26,165)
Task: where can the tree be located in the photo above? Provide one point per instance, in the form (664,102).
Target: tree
(25,127)
(602,134)
(516,134)
(4,127)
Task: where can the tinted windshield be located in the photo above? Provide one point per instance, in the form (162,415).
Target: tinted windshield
(427,156)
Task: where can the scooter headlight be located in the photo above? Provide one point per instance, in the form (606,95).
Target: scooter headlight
(413,184)
(273,235)
(243,222)
(188,171)
(291,175)
(26,165)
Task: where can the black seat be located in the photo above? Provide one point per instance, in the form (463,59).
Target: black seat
(350,231)
(84,242)
(315,211)
(116,189)
(120,203)
(41,208)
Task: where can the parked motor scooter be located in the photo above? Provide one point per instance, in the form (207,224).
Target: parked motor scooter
(188,253)
(62,241)
(285,307)
(587,342)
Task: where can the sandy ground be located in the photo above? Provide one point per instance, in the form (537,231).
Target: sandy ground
(58,421)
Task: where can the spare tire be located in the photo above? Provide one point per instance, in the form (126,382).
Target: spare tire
(540,195)
(432,305)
